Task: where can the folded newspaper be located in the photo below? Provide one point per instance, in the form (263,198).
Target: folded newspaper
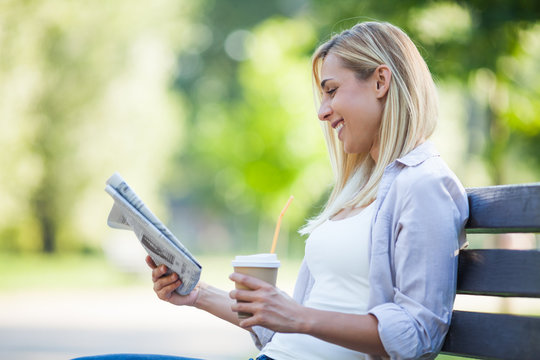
(130,213)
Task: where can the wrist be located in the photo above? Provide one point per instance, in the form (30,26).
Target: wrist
(200,289)
(307,320)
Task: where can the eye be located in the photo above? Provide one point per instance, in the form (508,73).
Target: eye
(331,91)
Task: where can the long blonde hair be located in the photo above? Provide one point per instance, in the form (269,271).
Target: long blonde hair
(409,115)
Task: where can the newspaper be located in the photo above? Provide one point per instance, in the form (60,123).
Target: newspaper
(130,213)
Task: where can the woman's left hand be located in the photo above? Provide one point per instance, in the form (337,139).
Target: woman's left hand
(271,307)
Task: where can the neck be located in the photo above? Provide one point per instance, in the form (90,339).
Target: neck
(374,152)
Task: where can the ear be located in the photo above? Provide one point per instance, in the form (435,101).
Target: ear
(382,76)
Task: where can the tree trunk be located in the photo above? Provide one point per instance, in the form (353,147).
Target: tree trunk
(44,204)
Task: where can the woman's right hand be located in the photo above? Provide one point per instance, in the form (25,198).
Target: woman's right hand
(166,284)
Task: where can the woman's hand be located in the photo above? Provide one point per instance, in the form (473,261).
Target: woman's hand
(274,310)
(166,284)
(271,307)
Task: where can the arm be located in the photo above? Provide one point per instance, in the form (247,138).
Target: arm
(216,302)
(203,296)
(414,307)
(274,310)
(413,319)
(357,332)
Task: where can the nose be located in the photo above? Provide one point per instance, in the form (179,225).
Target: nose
(325,110)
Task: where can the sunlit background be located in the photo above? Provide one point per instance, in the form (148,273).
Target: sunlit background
(206,109)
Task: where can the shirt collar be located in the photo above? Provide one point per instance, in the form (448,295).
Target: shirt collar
(419,154)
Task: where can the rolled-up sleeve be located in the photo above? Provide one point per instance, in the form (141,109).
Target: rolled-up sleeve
(426,233)
(261,336)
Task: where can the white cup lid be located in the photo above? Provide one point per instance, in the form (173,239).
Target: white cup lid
(256,260)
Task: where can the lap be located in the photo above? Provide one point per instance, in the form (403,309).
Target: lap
(132,357)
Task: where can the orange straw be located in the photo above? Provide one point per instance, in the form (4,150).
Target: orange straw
(278,225)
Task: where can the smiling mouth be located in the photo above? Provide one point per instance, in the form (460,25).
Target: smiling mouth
(337,123)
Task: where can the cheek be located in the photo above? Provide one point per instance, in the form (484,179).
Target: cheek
(367,115)
(372,114)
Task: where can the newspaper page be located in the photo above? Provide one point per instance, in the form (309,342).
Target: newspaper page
(130,213)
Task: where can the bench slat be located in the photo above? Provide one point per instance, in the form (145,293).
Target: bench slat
(504,209)
(499,272)
(498,336)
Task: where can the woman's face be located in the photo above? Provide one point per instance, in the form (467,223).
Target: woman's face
(353,107)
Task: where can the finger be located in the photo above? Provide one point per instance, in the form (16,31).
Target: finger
(150,262)
(159,272)
(244,307)
(164,287)
(166,292)
(248,281)
(250,322)
(245,295)
(165,281)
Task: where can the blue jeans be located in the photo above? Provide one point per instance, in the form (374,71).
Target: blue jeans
(145,357)
(133,357)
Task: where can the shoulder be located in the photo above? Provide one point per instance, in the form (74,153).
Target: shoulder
(421,167)
(430,174)
(431,183)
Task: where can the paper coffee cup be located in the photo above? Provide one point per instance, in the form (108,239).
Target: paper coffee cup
(261,266)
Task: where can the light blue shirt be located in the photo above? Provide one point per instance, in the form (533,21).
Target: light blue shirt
(417,231)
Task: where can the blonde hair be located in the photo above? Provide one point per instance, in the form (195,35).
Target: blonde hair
(409,115)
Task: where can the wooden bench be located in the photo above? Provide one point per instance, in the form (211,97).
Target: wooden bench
(498,272)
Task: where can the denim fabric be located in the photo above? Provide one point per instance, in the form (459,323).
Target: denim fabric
(262,357)
(132,357)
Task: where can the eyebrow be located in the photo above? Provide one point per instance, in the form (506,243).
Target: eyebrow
(324,82)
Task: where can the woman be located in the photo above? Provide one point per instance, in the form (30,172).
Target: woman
(380,268)
(379,272)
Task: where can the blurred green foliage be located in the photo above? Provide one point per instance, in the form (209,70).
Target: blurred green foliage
(84,91)
(206,109)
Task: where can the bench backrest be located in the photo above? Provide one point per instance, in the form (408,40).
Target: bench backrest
(497,272)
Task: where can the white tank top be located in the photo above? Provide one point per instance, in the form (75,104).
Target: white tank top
(337,257)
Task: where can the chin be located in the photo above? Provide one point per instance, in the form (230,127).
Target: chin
(355,150)
(351,150)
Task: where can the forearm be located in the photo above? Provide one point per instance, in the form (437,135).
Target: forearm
(274,310)
(356,332)
(216,302)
